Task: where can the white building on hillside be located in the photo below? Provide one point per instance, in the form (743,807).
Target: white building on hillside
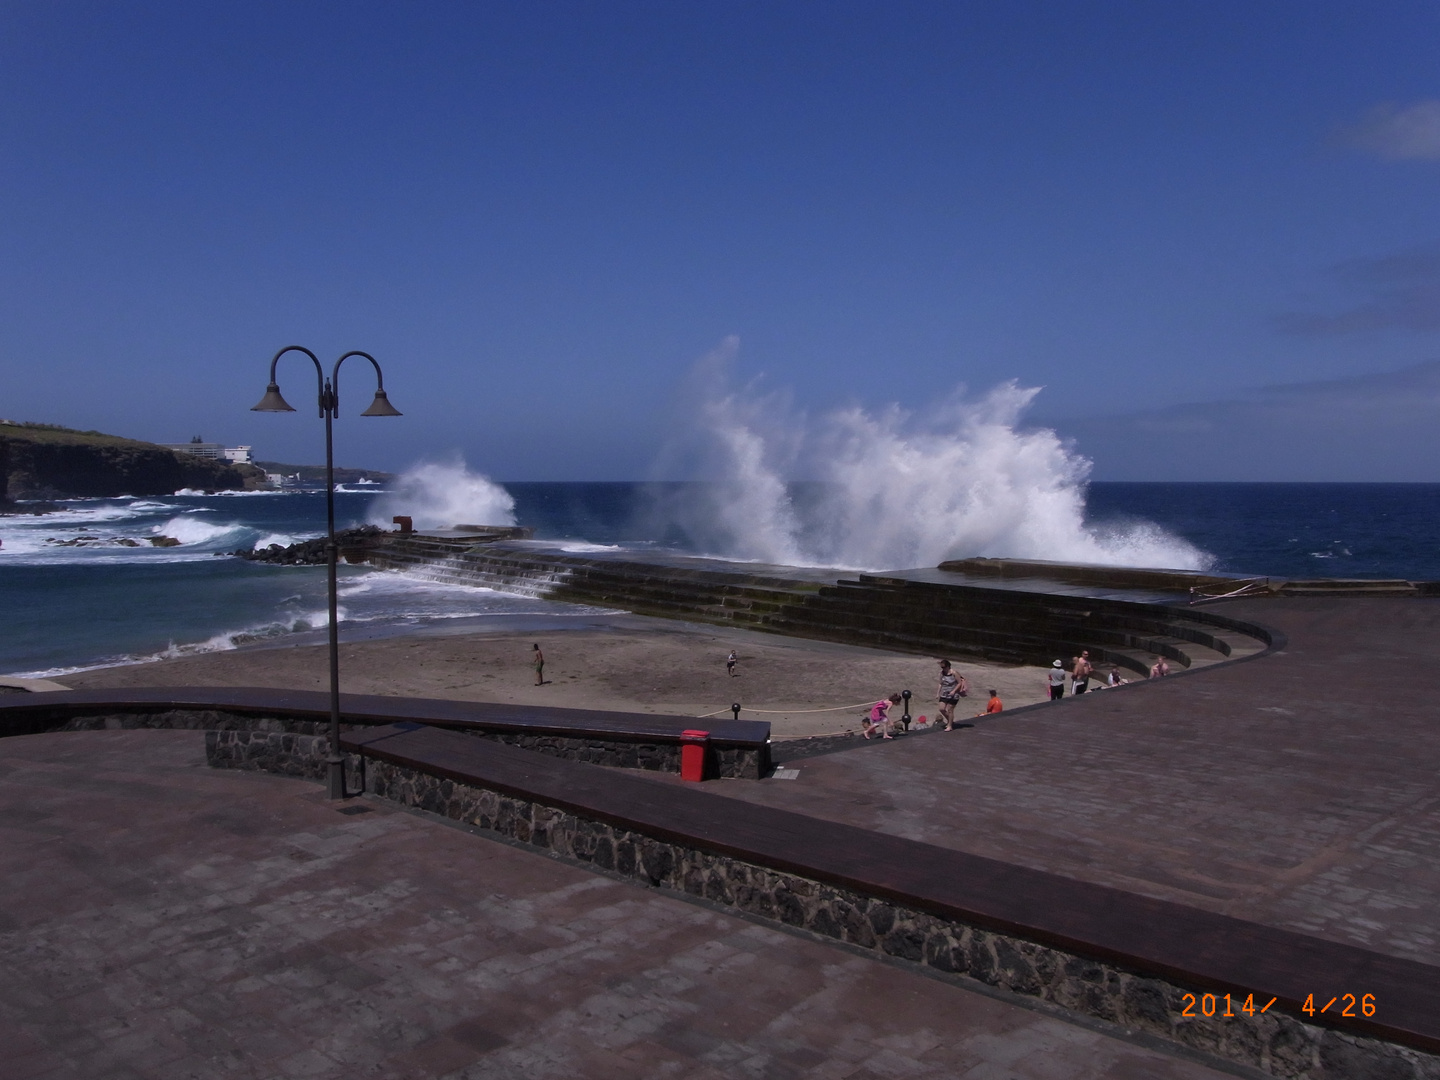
(198,447)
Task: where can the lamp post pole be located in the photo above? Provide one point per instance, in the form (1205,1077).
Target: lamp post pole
(329,401)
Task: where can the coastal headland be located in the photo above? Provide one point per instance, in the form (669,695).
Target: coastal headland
(45,461)
(1265,824)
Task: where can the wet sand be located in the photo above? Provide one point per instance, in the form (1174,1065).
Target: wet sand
(636,665)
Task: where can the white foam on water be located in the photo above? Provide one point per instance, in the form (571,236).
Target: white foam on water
(440,495)
(579,547)
(91,514)
(283,539)
(899,488)
(193,531)
(224,641)
(407,596)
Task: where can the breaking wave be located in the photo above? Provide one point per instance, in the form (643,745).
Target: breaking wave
(892,487)
(441,495)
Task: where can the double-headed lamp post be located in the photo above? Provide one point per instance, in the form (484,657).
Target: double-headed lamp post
(329,410)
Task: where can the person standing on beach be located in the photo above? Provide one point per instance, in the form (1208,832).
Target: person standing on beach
(730,662)
(1082,669)
(1057,681)
(538,658)
(951,689)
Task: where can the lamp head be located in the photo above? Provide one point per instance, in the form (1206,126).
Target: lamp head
(381,406)
(272,401)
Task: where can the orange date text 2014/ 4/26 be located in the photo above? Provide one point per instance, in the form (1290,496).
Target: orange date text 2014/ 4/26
(1224,1005)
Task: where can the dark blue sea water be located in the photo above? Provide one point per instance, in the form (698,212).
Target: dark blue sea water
(100,600)
(1271,530)
(1292,530)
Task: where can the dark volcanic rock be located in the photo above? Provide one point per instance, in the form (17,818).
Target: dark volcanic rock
(312,552)
(35,508)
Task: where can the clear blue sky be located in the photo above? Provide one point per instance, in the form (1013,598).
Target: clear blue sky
(539,215)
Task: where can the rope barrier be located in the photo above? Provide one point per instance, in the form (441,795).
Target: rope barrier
(789,712)
(1256,585)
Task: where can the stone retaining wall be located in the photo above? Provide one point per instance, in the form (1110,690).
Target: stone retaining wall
(195,720)
(617,753)
(1275,1043)
(654,757)
(279,752)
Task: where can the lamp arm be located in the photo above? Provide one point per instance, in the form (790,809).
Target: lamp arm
(319,371)
(335,376)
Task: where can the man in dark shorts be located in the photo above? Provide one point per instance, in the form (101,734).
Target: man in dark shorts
(1057,681)
(1082,672)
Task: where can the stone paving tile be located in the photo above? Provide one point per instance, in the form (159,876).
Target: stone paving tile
(1297,789)
(233,925)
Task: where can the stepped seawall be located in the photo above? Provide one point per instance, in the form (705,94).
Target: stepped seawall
(930,617)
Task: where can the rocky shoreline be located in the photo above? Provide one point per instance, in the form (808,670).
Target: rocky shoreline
(312,552)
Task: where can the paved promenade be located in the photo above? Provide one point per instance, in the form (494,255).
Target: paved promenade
(1299,789)
(162,919)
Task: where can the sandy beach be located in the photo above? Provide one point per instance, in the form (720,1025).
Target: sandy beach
(634,665)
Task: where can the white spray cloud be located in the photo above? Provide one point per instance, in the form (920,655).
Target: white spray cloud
(441,495)
(897,489)
(742,444)
(1400,133)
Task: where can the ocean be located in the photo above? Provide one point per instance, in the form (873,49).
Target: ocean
(85,586)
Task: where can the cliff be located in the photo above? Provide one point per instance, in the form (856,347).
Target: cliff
(315,474)
(41,461)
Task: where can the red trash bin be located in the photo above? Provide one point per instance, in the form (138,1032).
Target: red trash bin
(692,754)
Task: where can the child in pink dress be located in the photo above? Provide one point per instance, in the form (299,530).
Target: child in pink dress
(879,719)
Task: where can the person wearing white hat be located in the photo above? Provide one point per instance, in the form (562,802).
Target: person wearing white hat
(1057,681)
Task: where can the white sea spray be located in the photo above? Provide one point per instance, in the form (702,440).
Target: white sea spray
(441,495)
(895,487)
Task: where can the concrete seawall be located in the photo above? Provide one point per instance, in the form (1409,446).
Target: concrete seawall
(900,613)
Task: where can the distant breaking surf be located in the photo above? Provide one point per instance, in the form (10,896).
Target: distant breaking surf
(895,488)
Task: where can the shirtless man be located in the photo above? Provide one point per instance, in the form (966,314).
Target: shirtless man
(1082,670)
(1161,668)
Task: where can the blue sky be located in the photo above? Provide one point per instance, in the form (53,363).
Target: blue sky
(538,216)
